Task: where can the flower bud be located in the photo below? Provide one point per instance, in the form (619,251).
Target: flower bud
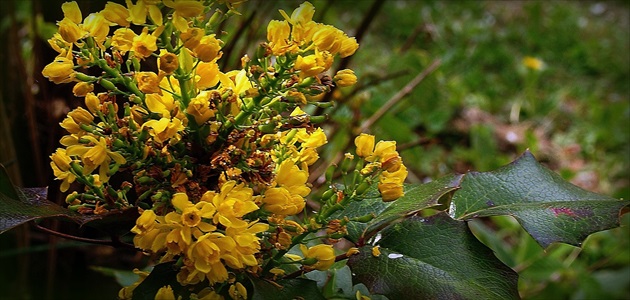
(72,12)
(348,47)
(365,144)
(168,63)
(82,88)
(70,31)
(116,13)
(345,78)
(208,48)
(81,116)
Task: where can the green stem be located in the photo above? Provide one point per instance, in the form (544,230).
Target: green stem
(274,260)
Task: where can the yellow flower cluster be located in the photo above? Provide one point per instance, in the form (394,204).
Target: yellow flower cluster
(191,232)
(217,162)
(383,158)
(315,44)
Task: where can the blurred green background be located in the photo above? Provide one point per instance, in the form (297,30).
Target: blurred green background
(478,107)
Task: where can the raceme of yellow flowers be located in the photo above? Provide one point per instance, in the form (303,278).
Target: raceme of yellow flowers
(216,162)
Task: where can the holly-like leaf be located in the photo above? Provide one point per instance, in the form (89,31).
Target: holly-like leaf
(433,258)
(549,208)
(18,206)
(288,289)
(358,209)
(162,275)
(416,198)
(21,205)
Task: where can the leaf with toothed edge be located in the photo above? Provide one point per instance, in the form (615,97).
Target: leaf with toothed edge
(21,205)
(549,208)
(433,258)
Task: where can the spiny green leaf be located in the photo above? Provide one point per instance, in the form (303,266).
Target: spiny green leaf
(286,289)
(21,205)
(162,275)
(433,258)
(549,208)
(18,206)
(416,198)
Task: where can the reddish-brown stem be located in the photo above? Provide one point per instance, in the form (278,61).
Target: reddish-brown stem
(115,241)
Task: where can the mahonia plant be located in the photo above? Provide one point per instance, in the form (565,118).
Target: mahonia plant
(215,161)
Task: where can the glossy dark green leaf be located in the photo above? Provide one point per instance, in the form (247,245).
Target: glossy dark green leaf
(433,258)
(357,209)
(416,198)
(549,208)
(164,274)
(21,205)
(286,289)
(18,206)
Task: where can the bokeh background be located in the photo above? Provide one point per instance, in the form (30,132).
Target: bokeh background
(460,85)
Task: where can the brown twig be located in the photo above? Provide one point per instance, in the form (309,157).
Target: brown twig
(114,242)
(400,95)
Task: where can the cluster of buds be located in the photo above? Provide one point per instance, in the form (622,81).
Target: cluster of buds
(217,163)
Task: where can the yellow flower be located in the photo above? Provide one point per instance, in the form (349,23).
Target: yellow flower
(145,222)
(70,31)
(60,163)
(328,38)
(280,201)
(301,15)
(148,82)
(232,203)
(238,292)
(96,154)
(60,70)
(164,129)
(365,144)
(308,66)
(116,13)
(376,251)
(144,44)
(352,251)
(180,23)
(72,12)
(206,255)
(165,293)
(163,104)
(59,44)
(92,102)
(71,126)
(185,8)
(385,152)
(207,75)
(278,33)
(345,78)
(82,88)
(324,254)
(390,184)
(192,37)
(533,63)
(168,63)
(122,40)
(349,45)
(208,48)
(137,12)
(97,26)
(313,64)
(193,213)
(246,244)
(199,107)
(288,175)
(81,116)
